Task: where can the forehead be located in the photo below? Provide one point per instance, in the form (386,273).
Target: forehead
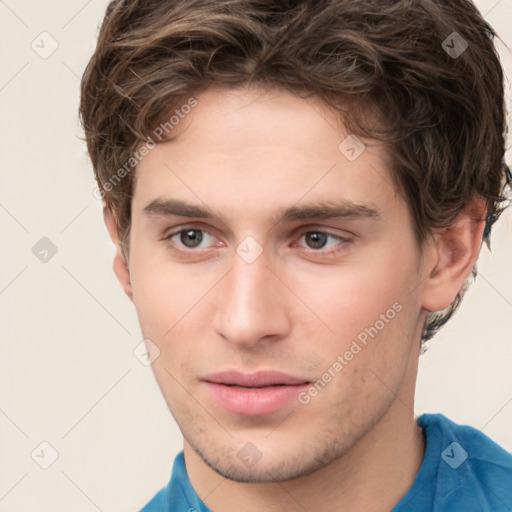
(238,118)
(256,151)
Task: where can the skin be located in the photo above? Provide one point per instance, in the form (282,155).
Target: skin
(245,155)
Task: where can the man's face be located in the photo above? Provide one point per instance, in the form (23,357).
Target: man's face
(262,248)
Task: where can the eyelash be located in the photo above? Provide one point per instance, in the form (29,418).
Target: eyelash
(341,240)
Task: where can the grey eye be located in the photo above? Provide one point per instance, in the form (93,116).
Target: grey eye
(315,239)
(191,237)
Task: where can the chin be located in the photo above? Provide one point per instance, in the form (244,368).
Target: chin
(246,463)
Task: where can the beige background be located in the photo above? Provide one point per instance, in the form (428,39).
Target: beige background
(67,372)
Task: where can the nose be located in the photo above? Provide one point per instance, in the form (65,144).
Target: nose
(251,305)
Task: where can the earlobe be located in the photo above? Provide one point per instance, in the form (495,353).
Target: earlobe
(120,265)
(454,252)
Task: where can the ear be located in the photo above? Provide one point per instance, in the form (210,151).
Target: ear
(121,268)
(452,256)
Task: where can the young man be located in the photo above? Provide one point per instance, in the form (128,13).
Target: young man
(298,191)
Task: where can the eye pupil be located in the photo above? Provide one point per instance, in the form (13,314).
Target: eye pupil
(316,240)
(191,237)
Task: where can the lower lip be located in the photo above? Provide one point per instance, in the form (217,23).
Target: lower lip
(254,401)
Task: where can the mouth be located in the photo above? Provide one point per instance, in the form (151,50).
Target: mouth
(254,394)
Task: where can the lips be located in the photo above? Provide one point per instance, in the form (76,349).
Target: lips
(258,393)
(263,378)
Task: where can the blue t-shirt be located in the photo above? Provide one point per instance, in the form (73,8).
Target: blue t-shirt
(462,471)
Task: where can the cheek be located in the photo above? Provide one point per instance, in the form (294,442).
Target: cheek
(154,301)
(350,300)
(160,295)
(371,315)
(167,312)
(172,302)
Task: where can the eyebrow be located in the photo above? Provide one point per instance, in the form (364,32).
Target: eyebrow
(329,210)
(322,210)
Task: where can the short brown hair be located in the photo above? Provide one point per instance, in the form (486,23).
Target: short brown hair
(422,76)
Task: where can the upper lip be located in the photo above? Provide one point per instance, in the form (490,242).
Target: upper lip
(259,379)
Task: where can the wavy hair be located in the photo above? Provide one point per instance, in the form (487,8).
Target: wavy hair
(422,76)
